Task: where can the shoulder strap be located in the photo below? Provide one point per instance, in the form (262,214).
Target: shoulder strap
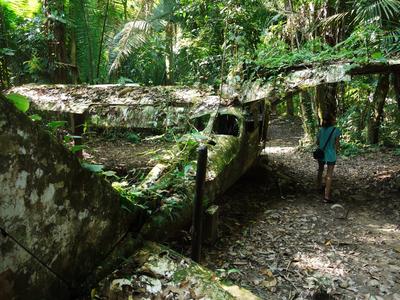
(326,143)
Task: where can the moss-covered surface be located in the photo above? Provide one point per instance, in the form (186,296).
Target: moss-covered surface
(69,217)
(157,272)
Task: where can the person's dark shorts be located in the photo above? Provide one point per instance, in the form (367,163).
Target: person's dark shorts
(329,163)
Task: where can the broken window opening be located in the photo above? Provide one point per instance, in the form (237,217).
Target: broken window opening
(250,118)
(226,125)
(200,123)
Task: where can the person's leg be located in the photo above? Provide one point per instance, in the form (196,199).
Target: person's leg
(319,175)
(328,182)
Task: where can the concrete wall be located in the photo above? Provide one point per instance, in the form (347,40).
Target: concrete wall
(65,215)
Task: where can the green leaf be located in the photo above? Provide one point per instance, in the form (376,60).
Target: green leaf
(7,51)
(77,148)
(378,56)
(230,271)
(110,174)
(93,167)
(56,124)
(35,118)
(187,169)
(20,102)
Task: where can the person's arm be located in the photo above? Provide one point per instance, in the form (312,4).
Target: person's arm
(317,142)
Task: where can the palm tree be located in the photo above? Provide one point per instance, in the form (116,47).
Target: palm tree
(135,33)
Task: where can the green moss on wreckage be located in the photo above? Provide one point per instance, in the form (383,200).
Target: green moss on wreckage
(232,135)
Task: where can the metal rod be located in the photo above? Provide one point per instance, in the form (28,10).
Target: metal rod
(5,234)
(198,202)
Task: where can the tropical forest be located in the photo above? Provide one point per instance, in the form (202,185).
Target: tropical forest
(199,149)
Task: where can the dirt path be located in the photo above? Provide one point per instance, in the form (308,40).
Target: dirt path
(280,241)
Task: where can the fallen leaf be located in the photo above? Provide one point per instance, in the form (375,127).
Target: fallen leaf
(269,283)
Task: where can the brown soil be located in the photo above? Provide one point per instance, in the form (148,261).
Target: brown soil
(122,156)
(279,239)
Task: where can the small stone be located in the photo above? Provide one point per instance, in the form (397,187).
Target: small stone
(374,283)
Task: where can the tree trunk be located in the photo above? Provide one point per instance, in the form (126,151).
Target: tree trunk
(125,4)
(88,40)
(307,115)
(341,94)
(364,116)
(341,28)
(73,59)
(4,78)
(325,99)
(289,106)
(103,31)
(169,55)
(56,44)
(396,87)
(378,103)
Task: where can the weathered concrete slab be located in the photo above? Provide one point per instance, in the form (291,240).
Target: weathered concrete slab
(283,84)
(122,106)
(157,272)
(66,216)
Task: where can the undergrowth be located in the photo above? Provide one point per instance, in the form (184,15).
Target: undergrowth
(172,188)
(361,46)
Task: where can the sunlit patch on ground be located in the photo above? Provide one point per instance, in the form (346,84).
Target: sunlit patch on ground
(278,150)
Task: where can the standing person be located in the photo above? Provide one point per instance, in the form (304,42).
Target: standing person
(328,130)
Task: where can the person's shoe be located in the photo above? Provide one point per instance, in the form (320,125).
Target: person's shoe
(326,200)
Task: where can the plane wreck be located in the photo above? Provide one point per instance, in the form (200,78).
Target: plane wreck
(160,204)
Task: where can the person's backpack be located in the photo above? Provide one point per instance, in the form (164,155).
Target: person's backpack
(320,153)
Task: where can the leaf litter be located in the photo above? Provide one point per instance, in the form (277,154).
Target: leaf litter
(288,244)
(280,241)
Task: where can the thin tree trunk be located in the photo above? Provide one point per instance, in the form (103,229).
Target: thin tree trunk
(4,78)
(378,103)
(320,104)
(102,39)
(289,106)
(169,57)
(56,45)
(125,4)
(396,87)
(341,28)
(341,92)
(89,43)
(307,115)
(73,58)
(364,116)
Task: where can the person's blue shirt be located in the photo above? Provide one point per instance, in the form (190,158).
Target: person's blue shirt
(323,134)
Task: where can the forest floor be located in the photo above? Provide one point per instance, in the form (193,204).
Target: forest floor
(279,240)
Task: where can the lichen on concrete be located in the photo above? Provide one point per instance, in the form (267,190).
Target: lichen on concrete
(65,215)
(157,272)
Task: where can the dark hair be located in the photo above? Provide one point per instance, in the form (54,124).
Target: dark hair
(328,120)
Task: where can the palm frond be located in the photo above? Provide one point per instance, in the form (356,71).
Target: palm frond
(334,19)
(133,35)
(391,41)
(375,11)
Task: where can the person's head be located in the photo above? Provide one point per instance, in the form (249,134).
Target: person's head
(328,120)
